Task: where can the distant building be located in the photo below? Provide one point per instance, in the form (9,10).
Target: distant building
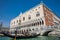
(0,25)
(4,29)
(37,16)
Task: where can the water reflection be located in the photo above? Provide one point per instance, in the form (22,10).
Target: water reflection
(37,38)
(42,38)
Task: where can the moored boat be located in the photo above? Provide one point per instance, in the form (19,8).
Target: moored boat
(20,35)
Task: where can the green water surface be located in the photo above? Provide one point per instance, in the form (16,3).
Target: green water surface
(37,38)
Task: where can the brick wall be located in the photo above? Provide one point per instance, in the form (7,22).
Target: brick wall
(48,17)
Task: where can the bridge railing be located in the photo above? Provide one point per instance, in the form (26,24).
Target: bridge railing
(46,28)
(55,27)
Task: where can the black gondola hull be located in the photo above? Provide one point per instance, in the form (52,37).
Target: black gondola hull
(21,37)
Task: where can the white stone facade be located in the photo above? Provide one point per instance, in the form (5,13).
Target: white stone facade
(32,17)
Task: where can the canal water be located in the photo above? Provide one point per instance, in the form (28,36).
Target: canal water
(37,38)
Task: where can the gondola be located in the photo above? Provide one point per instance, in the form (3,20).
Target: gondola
(20,37)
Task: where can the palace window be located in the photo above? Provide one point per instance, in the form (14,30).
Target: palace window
(45,13)
(23,18)
(37,14)
(42,22)
(38,23)
(39,7)
(34,24)
(33,29)
(17,21)
(36,9)
(29,29)
(29,17)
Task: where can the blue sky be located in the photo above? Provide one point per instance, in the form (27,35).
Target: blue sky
(9,9)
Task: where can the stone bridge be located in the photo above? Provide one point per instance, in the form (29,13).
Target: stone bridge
(44,31)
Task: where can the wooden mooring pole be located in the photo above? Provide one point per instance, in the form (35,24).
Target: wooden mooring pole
(15,35)
(15,38)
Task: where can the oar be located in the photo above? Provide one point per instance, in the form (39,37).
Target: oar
(15,35)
